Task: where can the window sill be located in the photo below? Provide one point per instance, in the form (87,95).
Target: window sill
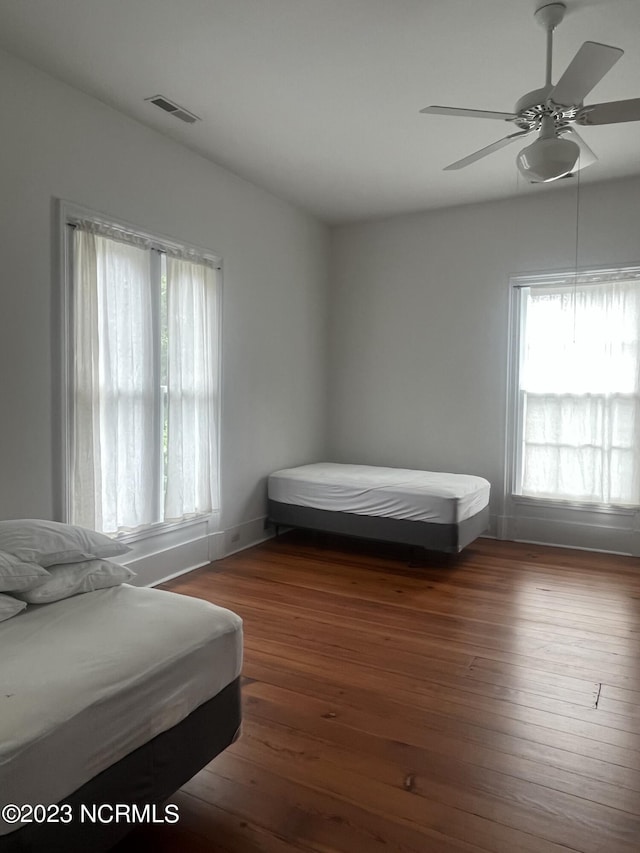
(578,506)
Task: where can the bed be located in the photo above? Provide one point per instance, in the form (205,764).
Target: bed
(432,510)
(116,696)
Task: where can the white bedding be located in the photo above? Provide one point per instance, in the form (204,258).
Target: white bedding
(387,492)
(87,680)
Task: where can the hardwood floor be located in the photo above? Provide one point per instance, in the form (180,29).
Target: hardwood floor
(489,702)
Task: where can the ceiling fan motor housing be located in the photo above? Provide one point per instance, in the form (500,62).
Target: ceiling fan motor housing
(533,107)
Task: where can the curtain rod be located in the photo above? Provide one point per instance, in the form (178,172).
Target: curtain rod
(181,252)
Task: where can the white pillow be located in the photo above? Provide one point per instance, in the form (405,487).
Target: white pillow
(34,540)
(9,606)
(73,578)
(17,576)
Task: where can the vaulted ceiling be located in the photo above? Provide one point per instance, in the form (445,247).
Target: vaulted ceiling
(319,100)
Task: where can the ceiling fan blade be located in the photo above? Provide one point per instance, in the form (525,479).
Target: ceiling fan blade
(610,113)
(587,156)
(463,113)
(585,70)
(483,152)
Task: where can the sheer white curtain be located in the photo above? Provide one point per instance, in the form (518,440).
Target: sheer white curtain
(192,389)
(580,392)
(114,456)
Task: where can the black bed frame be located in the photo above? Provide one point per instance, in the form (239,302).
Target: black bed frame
(149,775)
(449,538)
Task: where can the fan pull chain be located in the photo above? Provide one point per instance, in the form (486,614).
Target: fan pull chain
(575,262)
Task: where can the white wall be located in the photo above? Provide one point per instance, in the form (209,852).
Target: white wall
(59,143)
(419,334)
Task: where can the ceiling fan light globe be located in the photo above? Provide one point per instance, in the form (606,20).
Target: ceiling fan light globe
(548,159)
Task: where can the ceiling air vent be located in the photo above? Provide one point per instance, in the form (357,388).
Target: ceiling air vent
(175,110)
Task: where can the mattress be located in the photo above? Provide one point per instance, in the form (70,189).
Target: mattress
(384,492)
(87,680)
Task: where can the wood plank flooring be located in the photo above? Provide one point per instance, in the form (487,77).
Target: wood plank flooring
(489,702)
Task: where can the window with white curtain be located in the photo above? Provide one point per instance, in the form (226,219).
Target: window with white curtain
(577,387)
(143,330)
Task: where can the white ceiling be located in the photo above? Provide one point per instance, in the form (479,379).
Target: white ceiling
(318,100)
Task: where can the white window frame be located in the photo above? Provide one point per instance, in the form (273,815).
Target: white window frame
(67,214)
(514,425)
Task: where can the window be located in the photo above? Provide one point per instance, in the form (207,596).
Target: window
(142,320)
(576,387)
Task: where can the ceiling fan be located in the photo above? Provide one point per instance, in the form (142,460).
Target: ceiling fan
(553,110)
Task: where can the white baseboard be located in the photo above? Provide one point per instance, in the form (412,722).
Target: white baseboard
(245,535)
(618,536)
(152,569)
(160,560)
(172,558)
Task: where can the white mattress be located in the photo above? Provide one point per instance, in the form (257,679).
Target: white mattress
(87,680)
(387,492)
